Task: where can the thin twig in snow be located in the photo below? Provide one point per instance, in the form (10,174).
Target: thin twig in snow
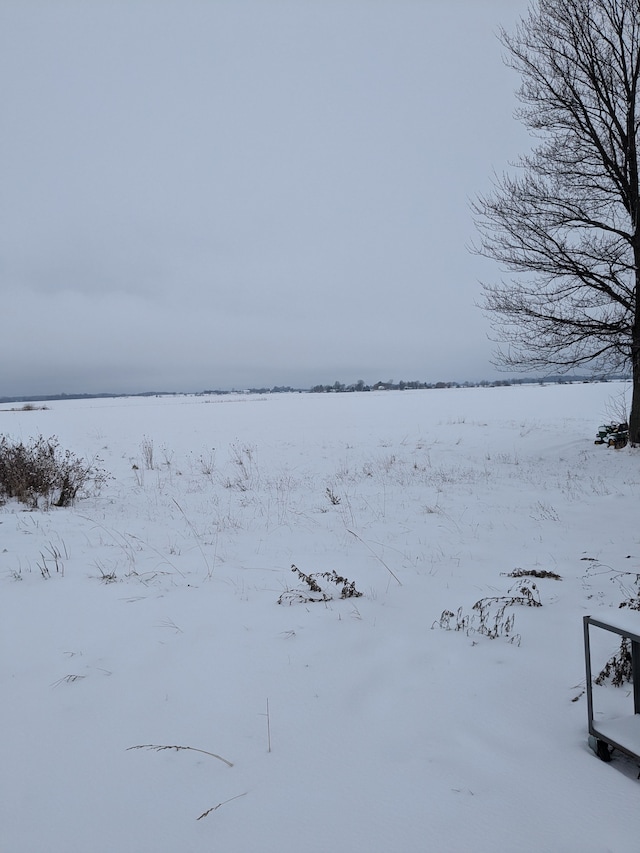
(224,802)
(159,553)
(268,728)
(366,544)
(192,748)
(197,537)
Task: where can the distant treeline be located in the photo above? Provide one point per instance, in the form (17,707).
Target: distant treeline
(360,385)
(32,398)
(337,387)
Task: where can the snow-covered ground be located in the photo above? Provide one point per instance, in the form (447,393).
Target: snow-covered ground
(351,724)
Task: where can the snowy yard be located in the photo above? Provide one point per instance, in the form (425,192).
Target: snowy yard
(164,611)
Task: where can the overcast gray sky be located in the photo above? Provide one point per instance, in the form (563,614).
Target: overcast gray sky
(228,193)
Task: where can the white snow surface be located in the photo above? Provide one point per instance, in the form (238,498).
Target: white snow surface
(355,724)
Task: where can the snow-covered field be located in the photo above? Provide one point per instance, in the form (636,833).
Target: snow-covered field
(353,724)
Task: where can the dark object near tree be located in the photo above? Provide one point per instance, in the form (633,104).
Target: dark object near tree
(613,435)
(568,225)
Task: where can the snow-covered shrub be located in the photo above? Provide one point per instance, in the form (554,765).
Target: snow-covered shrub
(40,470)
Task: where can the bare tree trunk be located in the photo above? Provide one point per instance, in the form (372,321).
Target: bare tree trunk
(634,414)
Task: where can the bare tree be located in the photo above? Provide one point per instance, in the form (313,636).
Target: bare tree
(566,225)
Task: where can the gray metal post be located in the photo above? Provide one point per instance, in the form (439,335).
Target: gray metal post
(587,660)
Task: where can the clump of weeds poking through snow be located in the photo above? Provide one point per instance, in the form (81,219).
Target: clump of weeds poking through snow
(40,474)
(618,669)
(333,499)
(316,591)
(492,616)
(627,581)
(245,475)
(147,450)
(534,573)
(51,559)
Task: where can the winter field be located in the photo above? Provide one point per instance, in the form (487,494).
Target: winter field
(163,611)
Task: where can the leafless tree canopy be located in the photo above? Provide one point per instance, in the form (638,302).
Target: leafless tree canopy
(565,225)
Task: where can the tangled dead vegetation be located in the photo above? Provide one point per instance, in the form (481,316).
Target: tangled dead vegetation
(40,473)
(317,588)
(491,616)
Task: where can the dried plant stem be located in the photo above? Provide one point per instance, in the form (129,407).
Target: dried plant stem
(197,538)
(156,551)
(191,748)
(224,802)
(268,728)
(366,544)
